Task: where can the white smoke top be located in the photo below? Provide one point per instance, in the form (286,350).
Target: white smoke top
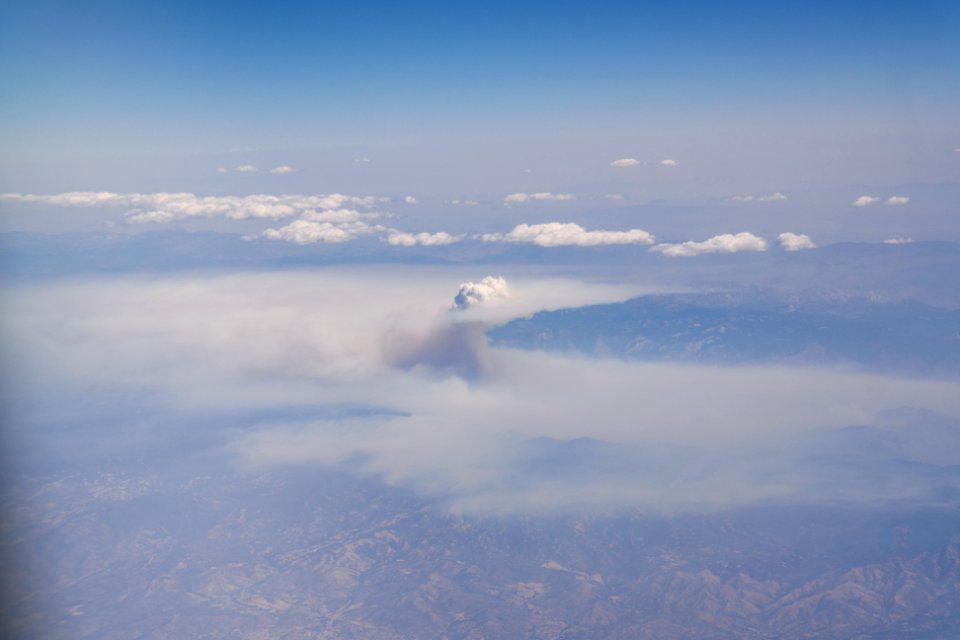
(474,293)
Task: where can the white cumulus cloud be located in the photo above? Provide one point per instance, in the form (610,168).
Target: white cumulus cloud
(410,200)
(312,232)
(519,198)
(795,242)
(724,243)
(625,162)
(474,293)
(560,234)
(343,225)
(464,203)
(405,239)
(669,163)
(898,241)
(282,169)
(894,201)
(864,201)
(337,216)
(246,168)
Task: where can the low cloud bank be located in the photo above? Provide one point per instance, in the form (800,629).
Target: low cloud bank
(488,429)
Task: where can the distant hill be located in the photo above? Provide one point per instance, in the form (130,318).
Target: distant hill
(907,337)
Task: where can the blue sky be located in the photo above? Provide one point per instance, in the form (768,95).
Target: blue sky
(164,73)
(459,98)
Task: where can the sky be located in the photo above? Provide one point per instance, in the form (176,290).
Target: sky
(470,130)
(473,102)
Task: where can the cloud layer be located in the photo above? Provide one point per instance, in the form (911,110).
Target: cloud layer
(166,207)
(329,218)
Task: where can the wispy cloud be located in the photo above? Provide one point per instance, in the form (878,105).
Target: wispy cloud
(772,197)
(282,169)
(669,163)
(724,243)
(625,162)
(246,168)
(898,241)
(865,201)
(464,203)
(561,234)
(362,159)
(894,201)
(404,239)
(541,196)
(615,196)
(795,242)
(166,207)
